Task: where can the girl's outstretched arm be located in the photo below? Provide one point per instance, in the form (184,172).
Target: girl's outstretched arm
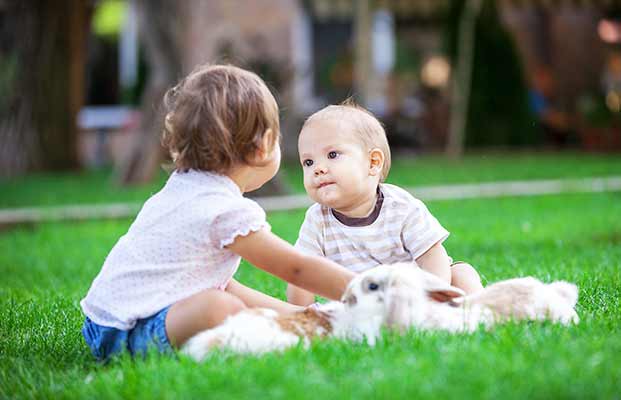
(298,296)
(274,255)
(254,298)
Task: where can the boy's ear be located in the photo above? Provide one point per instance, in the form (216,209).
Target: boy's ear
(376,161)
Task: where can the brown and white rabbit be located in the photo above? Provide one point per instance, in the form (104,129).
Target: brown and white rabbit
(260,330)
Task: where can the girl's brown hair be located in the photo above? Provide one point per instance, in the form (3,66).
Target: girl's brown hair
(217,118)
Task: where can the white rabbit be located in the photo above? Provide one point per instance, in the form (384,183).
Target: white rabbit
(259,330)
(413,297)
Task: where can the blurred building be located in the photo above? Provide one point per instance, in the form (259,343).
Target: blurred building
(391,55)
(317,52)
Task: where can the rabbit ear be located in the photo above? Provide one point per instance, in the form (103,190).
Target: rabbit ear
(439,290)
(400,302)
(445,295)
(405,297)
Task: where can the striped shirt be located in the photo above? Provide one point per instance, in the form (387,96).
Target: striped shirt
(403,231)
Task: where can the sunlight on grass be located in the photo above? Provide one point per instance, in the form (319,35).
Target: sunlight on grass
(47,269)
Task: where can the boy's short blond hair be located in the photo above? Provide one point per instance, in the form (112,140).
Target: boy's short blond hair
(366,127)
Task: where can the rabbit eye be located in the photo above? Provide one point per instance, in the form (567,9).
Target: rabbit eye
(373,286)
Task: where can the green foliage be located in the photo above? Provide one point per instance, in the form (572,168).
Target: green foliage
(109,17)
(407,60)
(595,112)
(499,112)
(47,269)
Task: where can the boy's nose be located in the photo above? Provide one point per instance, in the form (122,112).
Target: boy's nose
(319,169)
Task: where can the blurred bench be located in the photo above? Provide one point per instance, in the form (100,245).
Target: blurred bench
(102,120)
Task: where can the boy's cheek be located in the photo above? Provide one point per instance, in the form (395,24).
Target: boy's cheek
(307,185)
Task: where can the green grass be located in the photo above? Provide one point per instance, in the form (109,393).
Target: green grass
(46,269)
(100,187)
(411,171)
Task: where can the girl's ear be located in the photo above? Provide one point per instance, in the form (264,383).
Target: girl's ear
(267,145)
(376,158)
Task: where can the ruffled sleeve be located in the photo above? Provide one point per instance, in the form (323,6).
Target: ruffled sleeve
(239,218)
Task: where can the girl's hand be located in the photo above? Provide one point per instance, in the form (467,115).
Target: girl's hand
(254,298)
(298,296)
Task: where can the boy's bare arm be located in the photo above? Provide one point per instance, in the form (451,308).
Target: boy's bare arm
(436,261)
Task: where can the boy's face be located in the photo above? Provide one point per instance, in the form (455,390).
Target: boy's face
(336,165)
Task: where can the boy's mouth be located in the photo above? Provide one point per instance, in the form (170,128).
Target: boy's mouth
(323,184)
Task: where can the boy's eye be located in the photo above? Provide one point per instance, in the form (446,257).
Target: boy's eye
(333,154)
(307,163)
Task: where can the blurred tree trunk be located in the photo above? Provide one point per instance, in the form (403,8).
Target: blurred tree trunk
(462,77)
(363,51)
(161,27)
(42,77)
(164,27)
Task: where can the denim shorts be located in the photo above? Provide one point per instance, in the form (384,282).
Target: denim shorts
(148,333)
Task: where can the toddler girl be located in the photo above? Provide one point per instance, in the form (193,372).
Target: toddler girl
(171,275)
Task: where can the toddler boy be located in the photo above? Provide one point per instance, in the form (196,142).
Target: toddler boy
(358,221)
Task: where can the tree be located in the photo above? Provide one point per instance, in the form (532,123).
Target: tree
(460,94)
(42,66)
(490,99)
(161,32)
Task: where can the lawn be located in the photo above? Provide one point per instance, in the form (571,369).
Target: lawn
(47,189)
(47,269)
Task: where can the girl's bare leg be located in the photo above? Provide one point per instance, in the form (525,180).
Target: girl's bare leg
(201,311)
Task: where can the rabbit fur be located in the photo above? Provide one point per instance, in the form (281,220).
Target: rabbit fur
(413,297)
(398,296)
(259,330)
